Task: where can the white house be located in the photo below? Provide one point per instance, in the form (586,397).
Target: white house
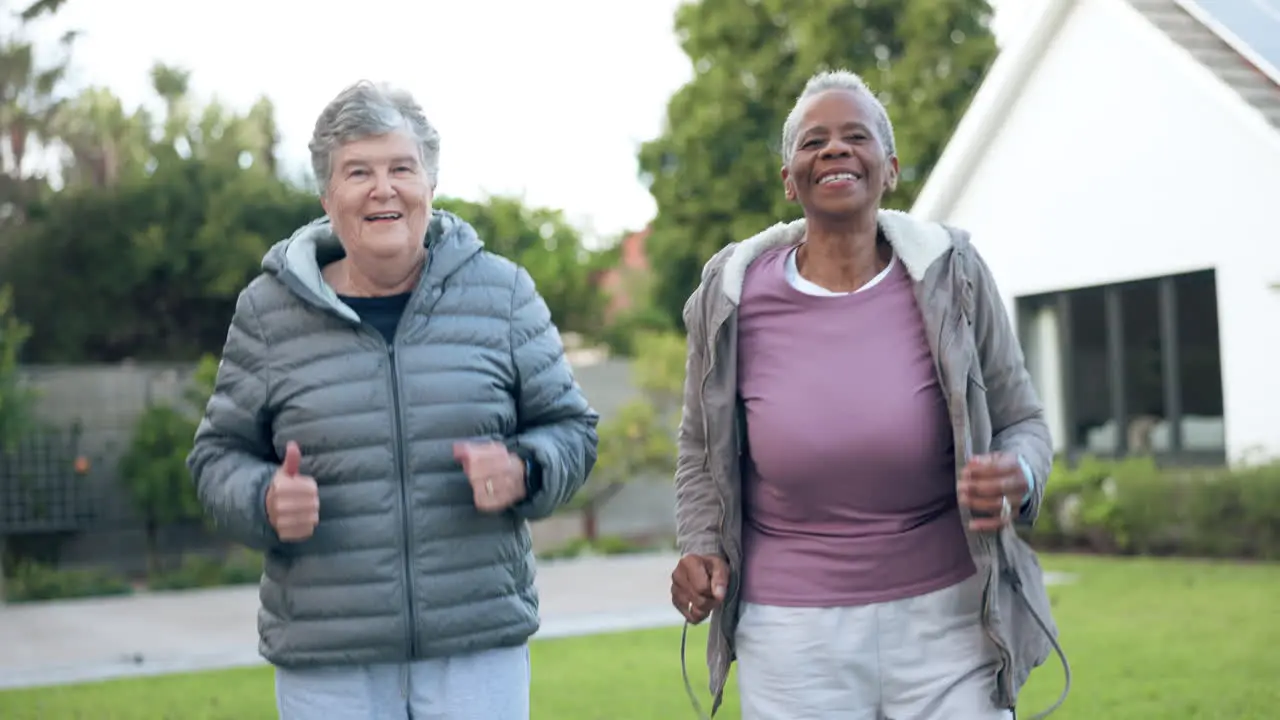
(1119,169)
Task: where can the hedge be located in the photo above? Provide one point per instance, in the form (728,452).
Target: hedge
(1135,507)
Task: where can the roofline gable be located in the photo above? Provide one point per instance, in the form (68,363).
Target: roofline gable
(1232,40)
(988,110)
(1013,68)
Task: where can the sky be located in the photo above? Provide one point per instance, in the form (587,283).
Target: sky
(547,100)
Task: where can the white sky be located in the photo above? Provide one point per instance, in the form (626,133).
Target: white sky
(549,100)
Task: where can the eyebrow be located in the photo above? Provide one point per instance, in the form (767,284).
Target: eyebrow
(852,125)
(398,160)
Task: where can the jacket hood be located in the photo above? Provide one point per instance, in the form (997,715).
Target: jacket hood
(297,261)
(917,243)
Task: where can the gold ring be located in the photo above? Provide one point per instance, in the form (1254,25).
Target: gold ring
(488,486)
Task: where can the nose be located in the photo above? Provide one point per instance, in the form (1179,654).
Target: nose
(836,147)
(383,188)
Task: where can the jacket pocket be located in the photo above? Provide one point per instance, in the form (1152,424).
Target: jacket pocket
(1026,616)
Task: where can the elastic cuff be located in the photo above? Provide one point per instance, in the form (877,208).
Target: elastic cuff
(1031,481)
(532,471)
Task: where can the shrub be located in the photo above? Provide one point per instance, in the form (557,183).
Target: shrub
(33,582)
(1135,507)
(153,469)
(240,567)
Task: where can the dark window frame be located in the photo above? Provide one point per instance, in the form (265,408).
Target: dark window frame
(1117,380)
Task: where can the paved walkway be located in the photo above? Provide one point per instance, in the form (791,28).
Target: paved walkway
(147,634)
(155,633)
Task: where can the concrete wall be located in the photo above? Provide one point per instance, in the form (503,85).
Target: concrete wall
(104,403)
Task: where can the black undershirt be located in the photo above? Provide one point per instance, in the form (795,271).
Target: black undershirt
(383,312)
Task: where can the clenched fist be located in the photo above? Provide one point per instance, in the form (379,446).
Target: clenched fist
(496,474)
(293,500)
(699,585)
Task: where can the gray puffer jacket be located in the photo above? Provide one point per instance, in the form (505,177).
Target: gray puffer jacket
(402,565)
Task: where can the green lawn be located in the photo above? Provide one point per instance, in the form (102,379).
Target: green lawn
(1148,640)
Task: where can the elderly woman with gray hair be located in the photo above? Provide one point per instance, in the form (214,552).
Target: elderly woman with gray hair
(859,436)
(392,408)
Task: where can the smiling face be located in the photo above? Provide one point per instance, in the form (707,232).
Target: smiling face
(379,197)
(839,167)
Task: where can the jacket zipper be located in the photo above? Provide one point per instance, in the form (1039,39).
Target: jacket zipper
(406,521)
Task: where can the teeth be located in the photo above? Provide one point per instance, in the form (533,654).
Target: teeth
(836,177)
(385,216)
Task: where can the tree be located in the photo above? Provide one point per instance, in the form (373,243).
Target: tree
(714,170)
(640,440)
(15,400)
(41,7)
(142,255)
(29,103)
(545,244)
(154,470)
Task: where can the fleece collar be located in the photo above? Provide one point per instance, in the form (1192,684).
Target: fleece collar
(917,244)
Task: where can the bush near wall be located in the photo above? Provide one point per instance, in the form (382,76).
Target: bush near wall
(33,582)
(1135,507)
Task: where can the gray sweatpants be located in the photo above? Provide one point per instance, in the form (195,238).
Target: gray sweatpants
(920,658)
(489,685)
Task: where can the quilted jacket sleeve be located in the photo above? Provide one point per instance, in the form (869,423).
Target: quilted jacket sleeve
(233,460)
(557,425)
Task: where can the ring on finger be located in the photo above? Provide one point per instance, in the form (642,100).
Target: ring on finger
(1005,509)
(488,486)
(689,610)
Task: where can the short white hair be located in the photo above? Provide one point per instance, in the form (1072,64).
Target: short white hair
(367,109)
(835,80)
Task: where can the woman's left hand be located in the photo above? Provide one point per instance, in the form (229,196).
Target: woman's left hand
(992,487)
(496,474)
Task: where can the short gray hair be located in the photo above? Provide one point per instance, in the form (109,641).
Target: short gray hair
(366,109)
(835,80)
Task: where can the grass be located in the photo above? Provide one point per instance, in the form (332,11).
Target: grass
(1147,639)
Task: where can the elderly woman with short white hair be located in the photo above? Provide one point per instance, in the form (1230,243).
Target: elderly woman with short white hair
(859,436)
(392,408)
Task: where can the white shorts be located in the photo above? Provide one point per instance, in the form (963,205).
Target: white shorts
(920,658)
(489,685)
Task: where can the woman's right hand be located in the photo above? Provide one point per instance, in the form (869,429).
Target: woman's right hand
(293,500)
(698,586)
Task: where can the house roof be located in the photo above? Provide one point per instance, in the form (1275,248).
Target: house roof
(1182,21)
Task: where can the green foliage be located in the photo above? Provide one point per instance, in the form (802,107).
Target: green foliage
(32,582)
(621,334)
(41,7)
(149,269)
(659,367)
(240,567)
(639,440)
(634,442)
(202,385)
(15,399)
(604,545)
(714,172)
(153,469)
(545,244)
(1134,507)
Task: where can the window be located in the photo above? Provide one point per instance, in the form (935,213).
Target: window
(1131,368)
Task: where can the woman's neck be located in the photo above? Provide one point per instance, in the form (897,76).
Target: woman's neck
(353,279)
(842,258)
